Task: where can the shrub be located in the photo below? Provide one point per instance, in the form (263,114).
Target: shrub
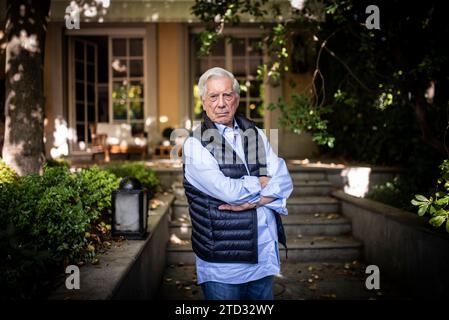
(145,175)
(95,188)
(436,206)
(49,221)
(57,162)
(7,175)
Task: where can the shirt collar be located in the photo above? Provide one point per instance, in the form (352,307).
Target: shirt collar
(222,128)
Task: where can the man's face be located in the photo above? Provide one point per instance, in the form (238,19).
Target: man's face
(220,101)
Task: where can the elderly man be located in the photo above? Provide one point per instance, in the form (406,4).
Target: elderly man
(237,189)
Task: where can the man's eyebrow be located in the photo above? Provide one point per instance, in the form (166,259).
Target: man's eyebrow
(215,93)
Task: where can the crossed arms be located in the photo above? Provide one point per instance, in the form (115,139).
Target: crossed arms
(203,172)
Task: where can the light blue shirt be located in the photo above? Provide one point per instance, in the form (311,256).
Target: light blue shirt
(203,172)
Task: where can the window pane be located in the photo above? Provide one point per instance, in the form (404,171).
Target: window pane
(90,93)
(90,53)
(255,47)
(238,47)
(253,64)
(255,89)
(136,109)
(79,92)
(79,112)
(256,110)
(135,90)
(80,132)
(242,107)
(238,67)
(119,90)
(91,113)
(90,73)
(136,68)
(103,104)
(119,110)
(79,71)
(135,47)
(218,62)
(119,68)
(79,50)
(218,49)
(119,47)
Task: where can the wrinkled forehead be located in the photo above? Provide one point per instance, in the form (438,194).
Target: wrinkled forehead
(219,84)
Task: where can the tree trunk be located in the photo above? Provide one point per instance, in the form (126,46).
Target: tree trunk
(26,25)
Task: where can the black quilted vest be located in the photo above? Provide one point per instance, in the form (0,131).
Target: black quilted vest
(222,235)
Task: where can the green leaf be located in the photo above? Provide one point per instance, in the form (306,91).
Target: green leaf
(442,201)
(421,198)
(416,203)
(447,225)
(437,221)
(422,209)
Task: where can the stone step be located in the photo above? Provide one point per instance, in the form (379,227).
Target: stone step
(295,205)
(300,176)
(312,204)
(312,188)
(330,224)
(308,248)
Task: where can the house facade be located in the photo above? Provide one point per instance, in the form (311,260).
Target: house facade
(138,64)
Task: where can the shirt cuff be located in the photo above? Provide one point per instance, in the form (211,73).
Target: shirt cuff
(271,190)
(252,186)
(279,205)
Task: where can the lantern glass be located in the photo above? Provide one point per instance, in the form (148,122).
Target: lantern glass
(129,210)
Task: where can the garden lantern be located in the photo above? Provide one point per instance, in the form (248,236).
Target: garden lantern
(129,209)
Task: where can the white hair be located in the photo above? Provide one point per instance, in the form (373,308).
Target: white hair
(216,72)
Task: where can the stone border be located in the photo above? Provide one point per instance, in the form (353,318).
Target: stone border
(403,245)
(132,269)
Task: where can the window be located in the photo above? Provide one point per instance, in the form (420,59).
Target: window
(127,82)
(242,55)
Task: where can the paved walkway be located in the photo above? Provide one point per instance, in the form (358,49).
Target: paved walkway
(298,281)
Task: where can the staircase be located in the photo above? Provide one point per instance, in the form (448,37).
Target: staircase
(316,231)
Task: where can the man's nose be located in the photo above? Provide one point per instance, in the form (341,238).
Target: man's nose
(221,101)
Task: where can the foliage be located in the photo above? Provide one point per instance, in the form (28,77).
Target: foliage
(7,175)
(145,175)
(437,206)
(300,117)
(49,221)
(372,84)
(57,162)
(95,187)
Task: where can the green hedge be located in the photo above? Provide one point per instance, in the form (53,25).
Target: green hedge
(58,218)
(145,175)
(51,220)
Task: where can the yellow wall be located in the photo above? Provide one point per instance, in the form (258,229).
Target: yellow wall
(169,51)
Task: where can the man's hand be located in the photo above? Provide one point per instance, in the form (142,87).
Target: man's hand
(264,181)
(246,206)
(240,207)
